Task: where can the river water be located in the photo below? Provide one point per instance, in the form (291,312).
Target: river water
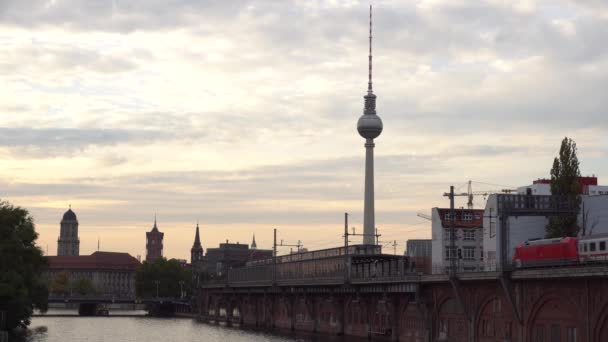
(146,329)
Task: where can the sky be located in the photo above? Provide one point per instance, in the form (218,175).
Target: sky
(241,115)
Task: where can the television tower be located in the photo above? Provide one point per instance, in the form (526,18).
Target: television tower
(369,127)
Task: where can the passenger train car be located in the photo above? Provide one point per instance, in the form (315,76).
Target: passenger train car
(364,260)
(562,251)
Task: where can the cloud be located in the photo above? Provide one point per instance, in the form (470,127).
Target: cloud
(244,112)
(50,142)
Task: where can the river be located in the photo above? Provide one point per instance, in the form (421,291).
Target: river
(146,329)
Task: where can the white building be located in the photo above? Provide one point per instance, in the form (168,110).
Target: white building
(518,229)
(589,186)
(522,228)
(468,247)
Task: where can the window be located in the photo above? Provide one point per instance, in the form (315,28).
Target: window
(602,245)
(467,216)
(469,234)
(448,234)
(450,252)
(469,253)
(448,217)
(584,247)
(592,247)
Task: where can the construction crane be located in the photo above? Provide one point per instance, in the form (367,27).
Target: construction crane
(470,193)
(425,216)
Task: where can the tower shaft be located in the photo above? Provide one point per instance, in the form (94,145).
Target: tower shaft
(369,219)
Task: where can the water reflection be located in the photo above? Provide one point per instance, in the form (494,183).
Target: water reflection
(148,329)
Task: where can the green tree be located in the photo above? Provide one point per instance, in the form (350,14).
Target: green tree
(564,182)
(60,284)
(23,286)
(168,274)
(83,286)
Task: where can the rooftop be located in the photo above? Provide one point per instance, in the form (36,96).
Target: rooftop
(97,260)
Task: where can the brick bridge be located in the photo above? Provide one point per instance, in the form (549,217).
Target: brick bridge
(567,304)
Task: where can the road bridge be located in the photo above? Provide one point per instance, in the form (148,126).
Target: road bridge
(88,305)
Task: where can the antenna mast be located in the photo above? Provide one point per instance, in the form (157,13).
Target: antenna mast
(369,80)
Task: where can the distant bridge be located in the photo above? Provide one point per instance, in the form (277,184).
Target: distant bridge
(111,299)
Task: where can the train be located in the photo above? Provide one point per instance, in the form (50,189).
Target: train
(364,261)
(562,251)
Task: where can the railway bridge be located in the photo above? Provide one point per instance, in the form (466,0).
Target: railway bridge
(565,304)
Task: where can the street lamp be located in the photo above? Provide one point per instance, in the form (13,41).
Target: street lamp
(181,288)
(156,282)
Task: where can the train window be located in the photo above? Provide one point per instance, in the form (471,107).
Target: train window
(584,247)
(592,247)
(602,245)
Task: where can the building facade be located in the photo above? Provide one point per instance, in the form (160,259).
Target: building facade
(68,242)
(419,253)
(468,240)
(230,255)
(110,273)
(502,236)
(154,243)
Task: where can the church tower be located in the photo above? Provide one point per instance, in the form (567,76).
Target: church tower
(253,244)
(154,243)
(196,253)
(68,242)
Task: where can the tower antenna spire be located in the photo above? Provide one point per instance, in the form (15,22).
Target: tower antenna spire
(369,80)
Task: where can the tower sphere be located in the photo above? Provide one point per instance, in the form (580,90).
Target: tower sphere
(369,126)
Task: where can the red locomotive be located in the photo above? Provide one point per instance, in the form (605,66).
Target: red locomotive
(562,251)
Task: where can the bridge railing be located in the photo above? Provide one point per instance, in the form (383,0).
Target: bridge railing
(96,297)
(267,275)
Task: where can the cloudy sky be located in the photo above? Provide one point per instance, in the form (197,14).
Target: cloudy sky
(242,114)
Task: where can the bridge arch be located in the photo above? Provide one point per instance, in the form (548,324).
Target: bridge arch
(600,331)
(555,317)
(413,325)
(451,321)
(494,321)
(357,316)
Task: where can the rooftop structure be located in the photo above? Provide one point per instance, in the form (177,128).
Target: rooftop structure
(68,242)
(154,243)
(589,186)
(229,255)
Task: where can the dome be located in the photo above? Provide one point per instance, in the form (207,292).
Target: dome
(69,216)
(369,126)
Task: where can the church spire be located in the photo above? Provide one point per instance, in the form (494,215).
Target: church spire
(196,252)
(197,238)
(253,244)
